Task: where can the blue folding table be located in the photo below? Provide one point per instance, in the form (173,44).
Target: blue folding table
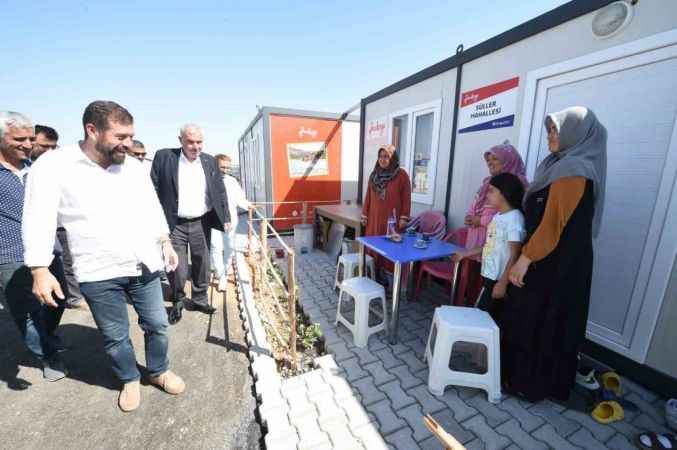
(405,253)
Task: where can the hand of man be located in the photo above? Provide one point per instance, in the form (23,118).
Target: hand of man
(171,259)
(226,227)
(44,284)
(519,270)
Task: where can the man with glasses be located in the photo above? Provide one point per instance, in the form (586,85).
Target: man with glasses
(46,139)
(138,151)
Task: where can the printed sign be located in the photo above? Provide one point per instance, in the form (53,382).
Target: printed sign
(491,106)
(376,129)
(307,159)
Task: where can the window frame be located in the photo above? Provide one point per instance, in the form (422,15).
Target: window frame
(434,107)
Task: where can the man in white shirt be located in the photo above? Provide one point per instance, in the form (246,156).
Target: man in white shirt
(223,244)
(86,189)
(193,197)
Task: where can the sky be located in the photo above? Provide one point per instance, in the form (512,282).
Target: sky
(211,63)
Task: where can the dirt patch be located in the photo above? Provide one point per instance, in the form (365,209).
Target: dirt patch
(270,293)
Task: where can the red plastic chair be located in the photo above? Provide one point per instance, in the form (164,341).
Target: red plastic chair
(431,223)
(469,281)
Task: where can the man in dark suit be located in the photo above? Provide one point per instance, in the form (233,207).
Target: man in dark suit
(193,197)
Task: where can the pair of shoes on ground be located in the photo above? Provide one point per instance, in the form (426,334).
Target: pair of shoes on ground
(605,391)
(655,441)
(130,395)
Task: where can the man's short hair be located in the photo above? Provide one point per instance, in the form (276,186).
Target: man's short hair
(222,157)
(49,132)
(11,119)
(101,113)
(138,144)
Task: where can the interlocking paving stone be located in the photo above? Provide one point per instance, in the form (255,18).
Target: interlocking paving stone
(460,408)
(368,391)
(340,386)
(353,369)
(340,351)
(620,442)
(365,355)
(355,412)
(388,358)
(475,444)
(516,433)
(583,438)
(380,374)
(314,441)
(395,348)
(432,443)
(547,433)
(414,417)
(370,438)
(429,403)
(638,389)
(275,419)
(414,361)
(646,422)
(529,422)
(656,413)
(601,432)
(493,415)
(417,345)
(486,434)
(626,429)
(284,440)
(405,376)
(386,417)
(402,439)
(563,425)
(446,419)
(316,384)
(398,398)
(341,437)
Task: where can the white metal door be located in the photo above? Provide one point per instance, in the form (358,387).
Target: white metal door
(635,97)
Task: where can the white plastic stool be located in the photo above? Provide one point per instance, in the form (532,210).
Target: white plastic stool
(350,264)
(363,290)
(469,326)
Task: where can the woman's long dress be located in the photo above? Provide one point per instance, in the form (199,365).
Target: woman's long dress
(544,322)
(377,211)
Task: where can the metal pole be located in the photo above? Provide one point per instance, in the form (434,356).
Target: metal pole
(291,286)
(305,212)
(396,302)
(250,213)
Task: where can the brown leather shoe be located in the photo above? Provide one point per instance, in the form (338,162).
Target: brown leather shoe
(169,382)
(130,396)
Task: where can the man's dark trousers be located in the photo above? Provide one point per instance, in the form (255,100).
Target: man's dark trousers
(191,235)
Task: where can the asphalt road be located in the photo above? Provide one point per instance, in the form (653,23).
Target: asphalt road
(215,412)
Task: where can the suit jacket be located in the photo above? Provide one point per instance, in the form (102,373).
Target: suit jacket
(165,176)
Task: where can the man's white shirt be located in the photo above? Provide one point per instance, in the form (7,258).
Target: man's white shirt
(236,199)
(112,216)
(192,188)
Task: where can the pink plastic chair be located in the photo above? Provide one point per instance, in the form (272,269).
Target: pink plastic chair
(431,223)
(444,270)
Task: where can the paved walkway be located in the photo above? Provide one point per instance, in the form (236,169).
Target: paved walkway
(215,412)
(392,385)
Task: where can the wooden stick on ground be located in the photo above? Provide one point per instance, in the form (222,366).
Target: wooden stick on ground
(449,442)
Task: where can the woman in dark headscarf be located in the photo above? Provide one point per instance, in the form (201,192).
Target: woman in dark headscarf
(389,190)
(546,311)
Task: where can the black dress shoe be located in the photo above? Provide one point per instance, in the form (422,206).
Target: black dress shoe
(175,313)
(203,307)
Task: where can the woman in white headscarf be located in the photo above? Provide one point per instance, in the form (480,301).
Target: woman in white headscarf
(546,311)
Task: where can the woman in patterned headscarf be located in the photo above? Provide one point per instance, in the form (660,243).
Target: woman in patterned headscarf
(546,311)
(389,190)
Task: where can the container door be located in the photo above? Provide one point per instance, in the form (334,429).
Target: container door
(635,97)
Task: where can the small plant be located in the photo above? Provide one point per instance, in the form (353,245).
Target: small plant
(308,334)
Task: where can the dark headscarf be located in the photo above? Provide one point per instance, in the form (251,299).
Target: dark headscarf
(582,153)
(380,177)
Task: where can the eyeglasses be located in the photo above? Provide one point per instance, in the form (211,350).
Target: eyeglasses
(139,154)
(47,146)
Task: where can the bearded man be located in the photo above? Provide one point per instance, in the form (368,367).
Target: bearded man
(86,188)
